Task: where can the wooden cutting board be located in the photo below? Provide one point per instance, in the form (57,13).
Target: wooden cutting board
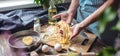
(77,43)
(78,47)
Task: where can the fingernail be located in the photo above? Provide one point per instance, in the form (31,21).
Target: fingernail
(71,38)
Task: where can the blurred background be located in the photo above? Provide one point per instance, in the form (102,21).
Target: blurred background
(16,4)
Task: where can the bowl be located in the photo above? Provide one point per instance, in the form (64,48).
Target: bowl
(15,40)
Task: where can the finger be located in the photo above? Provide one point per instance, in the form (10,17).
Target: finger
(70,18)
(69,21)
(56,16)
(73,36)
(74,33)
(72,28)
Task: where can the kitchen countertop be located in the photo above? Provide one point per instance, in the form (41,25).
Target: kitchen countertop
(5,50)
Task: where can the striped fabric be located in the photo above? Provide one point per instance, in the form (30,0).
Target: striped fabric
(85,9)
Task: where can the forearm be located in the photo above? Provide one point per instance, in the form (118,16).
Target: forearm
(73,7)
(94,15)
(72,10)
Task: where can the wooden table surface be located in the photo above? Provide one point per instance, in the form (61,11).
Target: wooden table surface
(6,50)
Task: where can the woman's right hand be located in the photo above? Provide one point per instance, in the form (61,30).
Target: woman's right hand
(65,16)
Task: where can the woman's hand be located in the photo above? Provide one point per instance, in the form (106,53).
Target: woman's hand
(65,16)
(75,30)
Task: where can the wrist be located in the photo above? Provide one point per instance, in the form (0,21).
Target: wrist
(71,13)
(81,25)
